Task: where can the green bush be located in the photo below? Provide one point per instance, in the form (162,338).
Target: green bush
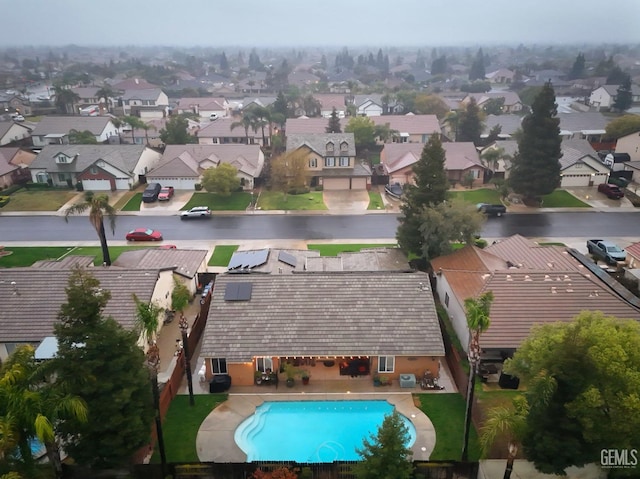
(481,243)
(319,188)
(12,189)
(198,187)
(298,191)
(4,200)
(37,186)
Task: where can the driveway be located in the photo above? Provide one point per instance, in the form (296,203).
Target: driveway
(591,196)
(346,201)
(174,205)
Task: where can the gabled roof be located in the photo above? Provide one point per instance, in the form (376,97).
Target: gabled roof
(634,249)
(62,125)
(461,155)
(613,89)
(185,262)
(412,124)
(221,128)
(146,94)
(359,100)
(579,151)
(321,314)
(578,121)
(86,92)
(203,103)
(329,100)
(122,157)
(509,123)
(133,84)
(30,307)
(318,143)
(458,156)
(190,160)
(510,97)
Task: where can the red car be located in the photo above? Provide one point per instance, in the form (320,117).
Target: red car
(612,191)
(165,193)
(144,234)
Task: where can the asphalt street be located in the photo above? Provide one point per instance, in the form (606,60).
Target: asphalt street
(313,227)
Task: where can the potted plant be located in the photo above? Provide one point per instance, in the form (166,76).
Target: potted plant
(385,381)
(257,376)
(290,372)
(304,374)
(376,380)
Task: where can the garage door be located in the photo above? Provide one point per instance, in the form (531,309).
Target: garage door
(358,183)
(96,185)
(335,183)
(575,180)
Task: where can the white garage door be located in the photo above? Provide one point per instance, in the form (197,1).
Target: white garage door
(96,185)
(123,184)
(575,180)
(335,183)
(358,183)
(178,183)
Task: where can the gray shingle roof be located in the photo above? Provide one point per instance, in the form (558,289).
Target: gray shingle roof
(30,315)
(573,151)
(62,125)
(122,157)
(320,314)
(184,262)
(318,142)
(147,94)
(509,123)
(582,121)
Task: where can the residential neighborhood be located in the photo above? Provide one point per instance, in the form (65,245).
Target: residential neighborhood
(192,238)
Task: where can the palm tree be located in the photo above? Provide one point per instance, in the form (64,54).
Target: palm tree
(98,206)
(66,99)
(246,122)
(105,92)
(147,319)
(263,118)
(82,137)
(135,123)
(453,120)
(505,421)
(477,311)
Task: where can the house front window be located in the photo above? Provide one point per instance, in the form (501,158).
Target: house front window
(329,146)
(330,161)
(344,161)
(93,170)
(62,177)
(219,365)
(344,146)
(313,163)
(386,364)
(264,364)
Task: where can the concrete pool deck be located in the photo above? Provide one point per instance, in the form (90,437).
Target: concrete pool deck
(215,441)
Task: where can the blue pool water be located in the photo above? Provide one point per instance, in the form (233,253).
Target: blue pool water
(312,431)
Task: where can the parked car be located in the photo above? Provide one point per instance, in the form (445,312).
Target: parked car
(168,246)
(17,117)
(151,192)
(605,250)
(166,193)
(144,234)
(620,181)
(612,191)
(394,190)
(196,212)
(491,210)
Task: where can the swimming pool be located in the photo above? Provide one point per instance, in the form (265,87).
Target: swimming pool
(312,431)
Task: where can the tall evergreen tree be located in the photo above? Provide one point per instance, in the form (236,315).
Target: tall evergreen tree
(477,70)
(470,123)
(430,189)
(280,105)
(439,65)
(224,63)
(334,123)
(578,68)
(624,97)
(535,168)
(101,363)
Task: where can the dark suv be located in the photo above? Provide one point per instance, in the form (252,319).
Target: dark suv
(612,191)
(151,192)
(492,210)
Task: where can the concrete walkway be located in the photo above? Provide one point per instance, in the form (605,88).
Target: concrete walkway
(215,441)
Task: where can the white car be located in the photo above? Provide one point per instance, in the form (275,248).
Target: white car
(196,212)
(17,117)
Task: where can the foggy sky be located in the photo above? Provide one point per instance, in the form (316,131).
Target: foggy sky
(294,23)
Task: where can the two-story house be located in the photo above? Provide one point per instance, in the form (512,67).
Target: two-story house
(149,103)
(13,132)
(54,130)
(220,132)
(207,108)
(96,167)
(331,161)
(602,98)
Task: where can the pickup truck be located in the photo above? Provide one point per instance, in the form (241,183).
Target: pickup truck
(606,251)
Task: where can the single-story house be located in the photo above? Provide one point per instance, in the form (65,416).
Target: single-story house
(629,144)
(512,102)
(501,76)
(54,130)
(219,132)
(633,255)
(13,132)
(531,284)
(13,102)
(461,159)
(580,165)
(509,125)
(97,167)
(181,166)
(368,105)
(209,108)
(331,161)
(14,165)
(381,322)
(605,96)
(502,165)
(31,298)
(186,264)
(587,125)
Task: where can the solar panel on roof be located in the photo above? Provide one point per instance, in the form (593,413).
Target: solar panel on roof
(248,259)
(287,258)
(238,292)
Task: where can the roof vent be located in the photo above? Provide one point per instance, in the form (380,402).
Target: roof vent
(547,278)
(509,278)
(553,290)
(593,294)
(527,277)
(15,288)
(567,278)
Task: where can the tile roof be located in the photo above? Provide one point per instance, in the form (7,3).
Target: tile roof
(189,160)
(329,100)
(305,125)
(510,97)
(461,156)
(30,315)
(203,103)
(634,249)
(582,121)
(576,151)
(7,153)
(62,125)
(525,253)
(185,262)
(221,128)
(122,157)
(318,142)
(320,314)
(458,156)
(144,94)
(412,124)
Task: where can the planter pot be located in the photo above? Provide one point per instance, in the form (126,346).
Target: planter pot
(290,383)
(305,381)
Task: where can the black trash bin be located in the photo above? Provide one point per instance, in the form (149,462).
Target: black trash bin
(219,383)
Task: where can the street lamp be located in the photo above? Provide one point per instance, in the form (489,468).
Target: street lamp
(153,363)
(184,326)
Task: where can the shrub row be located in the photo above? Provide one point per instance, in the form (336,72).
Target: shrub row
(4,200)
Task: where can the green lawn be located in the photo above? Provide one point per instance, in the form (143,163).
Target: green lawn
(40,200)
(336,249)
(237,201)
(446,412)
(276,200)
(562,199)
(181,425)
(222,254)
(483,195)
(114,252)
(375,201)
(25,256)
(375,158)
(134,203)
